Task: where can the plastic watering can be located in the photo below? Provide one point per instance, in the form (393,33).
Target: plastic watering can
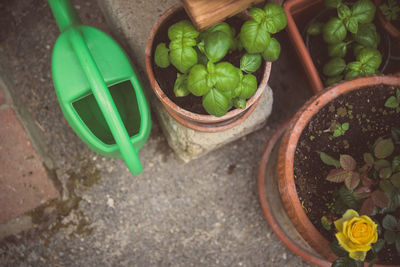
(98,90)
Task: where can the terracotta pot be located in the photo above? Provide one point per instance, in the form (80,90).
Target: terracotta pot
(393,31)
(198,122)
(300,10)
(287,149)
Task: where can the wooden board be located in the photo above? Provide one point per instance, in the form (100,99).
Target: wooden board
(205,13)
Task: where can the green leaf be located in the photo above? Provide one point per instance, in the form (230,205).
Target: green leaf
(333,4)
(345,126)
(352,74)
(334,67)
(364,11)
(368,158)
(257,13)
(315,29)
(273,50)
(337,249)
(390,236)
(385,173)
(334,31)
(227,76)
(253,37)
(239,103)
(337,50)
(344,262)
(389,222)
(161,56)
(216,45)
(275,18)
(391,102)
(367,35)
(357,49)
(347,162)
(386,186)
(343,12)
(180,86)
(332,80)
(183,58)
(250,62)
(370,57)
(216,103)
(351,24)
(328,160)
(249,86)
(384,148)
(325,223)
(378,246)
(197,80)
(182,29)
(223,27)
(395,179)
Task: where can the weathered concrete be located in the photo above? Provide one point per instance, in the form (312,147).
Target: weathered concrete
(189,144)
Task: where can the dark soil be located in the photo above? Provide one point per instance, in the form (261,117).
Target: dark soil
(319,49)
(166,76)
(368,118)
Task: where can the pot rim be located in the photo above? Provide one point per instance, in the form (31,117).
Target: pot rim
(266,208)
(169,104)
(287,185)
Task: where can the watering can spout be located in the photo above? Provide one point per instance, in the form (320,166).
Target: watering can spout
(64,13)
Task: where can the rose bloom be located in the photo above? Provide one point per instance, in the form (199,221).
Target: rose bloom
(356,234)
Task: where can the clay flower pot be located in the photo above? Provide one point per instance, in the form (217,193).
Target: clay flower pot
(304,11)
(195,121)
(285,174)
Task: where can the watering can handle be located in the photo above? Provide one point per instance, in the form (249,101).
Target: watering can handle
(64,13)
(105,101)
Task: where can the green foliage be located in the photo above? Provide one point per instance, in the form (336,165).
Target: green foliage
(391,10)
(346,262)
(351,27)
(250,62)
(392,231)
(197,57)
(326,223)
(161,57)
(340,129)
(394,101)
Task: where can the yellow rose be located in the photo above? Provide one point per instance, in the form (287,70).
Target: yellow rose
(356,234)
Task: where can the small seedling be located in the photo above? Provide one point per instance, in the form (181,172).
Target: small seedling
(394,101)
(391,10)
(340,129)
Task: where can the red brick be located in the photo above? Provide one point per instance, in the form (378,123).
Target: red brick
(2,98)
(24,183)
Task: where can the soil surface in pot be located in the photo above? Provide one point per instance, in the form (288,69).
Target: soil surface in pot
(364,110)
(166,76)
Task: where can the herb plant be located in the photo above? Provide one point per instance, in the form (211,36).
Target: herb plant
(394,101)
(351,30)
(390,10)
(198,57)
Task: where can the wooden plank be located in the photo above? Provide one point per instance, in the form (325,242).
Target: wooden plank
(205,13)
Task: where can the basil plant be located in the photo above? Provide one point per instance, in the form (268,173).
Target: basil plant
(198,58)
(351,30)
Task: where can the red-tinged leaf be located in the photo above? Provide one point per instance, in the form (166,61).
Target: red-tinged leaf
(347,162)
(362,192)
(364,169)
(366,181)
(380,199)
(352,180)
(367,207)
(384,148)
(337,176)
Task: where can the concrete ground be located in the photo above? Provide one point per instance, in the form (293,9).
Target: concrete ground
(205,213)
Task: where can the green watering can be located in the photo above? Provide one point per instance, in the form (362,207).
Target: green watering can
(98,90)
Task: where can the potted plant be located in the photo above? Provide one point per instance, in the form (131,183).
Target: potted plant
(200,76)
(342,135)
(334,39)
